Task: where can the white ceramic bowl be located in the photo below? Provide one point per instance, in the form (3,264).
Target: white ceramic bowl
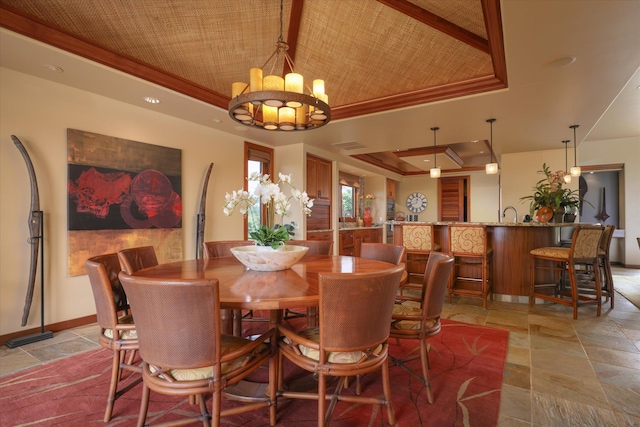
(264,258)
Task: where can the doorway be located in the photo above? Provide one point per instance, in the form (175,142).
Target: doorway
(453,199)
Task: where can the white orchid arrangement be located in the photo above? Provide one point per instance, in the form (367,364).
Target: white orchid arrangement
(277,203)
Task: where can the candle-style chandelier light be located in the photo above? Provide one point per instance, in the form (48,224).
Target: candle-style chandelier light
(276,103)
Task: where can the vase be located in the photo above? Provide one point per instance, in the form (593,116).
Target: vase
(368,219)
(558,216)
(265,258)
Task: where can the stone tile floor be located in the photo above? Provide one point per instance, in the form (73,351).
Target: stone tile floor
(559,371)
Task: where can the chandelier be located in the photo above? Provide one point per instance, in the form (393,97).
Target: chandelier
(276,103)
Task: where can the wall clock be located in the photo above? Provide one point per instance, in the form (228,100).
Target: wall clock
(416,202)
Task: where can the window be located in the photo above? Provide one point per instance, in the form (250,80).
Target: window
(348,205)
(258,159)
(349,189)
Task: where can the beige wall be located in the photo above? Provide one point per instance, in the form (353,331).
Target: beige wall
(484,201)
(519,177)
(39,113)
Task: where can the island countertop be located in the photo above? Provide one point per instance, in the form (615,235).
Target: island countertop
(511,243)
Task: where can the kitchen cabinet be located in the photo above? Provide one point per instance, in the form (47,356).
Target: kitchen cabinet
(319,189)
(318,178)
(352,240)
(391,189)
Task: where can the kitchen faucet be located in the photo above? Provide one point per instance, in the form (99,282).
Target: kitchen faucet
(515,218)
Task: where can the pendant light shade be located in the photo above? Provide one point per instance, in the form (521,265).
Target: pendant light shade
(567,176)
(491,168)
(575,170)
(435,170)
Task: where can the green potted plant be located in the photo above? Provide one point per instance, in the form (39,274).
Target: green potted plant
(548,192)
(271,195)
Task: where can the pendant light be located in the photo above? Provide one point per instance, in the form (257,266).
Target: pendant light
(491,168)
(435,170)
(567,176)
(279,104)
(575,170)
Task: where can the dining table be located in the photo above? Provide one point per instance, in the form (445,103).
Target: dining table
(274,291)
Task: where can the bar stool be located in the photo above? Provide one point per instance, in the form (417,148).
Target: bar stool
(473,262)
(563,261)
(419,242)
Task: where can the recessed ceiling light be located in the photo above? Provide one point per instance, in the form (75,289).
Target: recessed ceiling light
(53,68)
(562,61)
(216,121)
(152,100)
(475,141)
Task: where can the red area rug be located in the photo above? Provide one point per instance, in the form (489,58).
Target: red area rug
(467,363)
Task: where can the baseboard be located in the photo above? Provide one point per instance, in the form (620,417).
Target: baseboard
(54,327)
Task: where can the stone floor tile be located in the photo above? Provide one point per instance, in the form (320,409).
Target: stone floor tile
(517,376)
(515,402)
(550,411)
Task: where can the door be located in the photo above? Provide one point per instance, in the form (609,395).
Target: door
(453,199)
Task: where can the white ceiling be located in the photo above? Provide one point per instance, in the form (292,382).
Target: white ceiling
(599,90)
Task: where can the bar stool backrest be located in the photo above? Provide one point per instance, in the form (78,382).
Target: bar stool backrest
(467,239)
(586,242)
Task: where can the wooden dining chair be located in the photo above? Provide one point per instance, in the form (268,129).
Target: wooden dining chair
(184,352)
(222,248)
(351,339)
(316,247)
(134,259)
(550,265)
(419,318)
(117,329)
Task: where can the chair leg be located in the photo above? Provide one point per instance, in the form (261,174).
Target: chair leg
(574,289)
(322,403)
(386,389)
(424,360)
(113,385)
(144,405)
(205,415)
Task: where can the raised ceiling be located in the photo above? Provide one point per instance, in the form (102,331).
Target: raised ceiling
(393,68)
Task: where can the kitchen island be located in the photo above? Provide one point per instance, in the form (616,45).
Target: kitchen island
(511,243)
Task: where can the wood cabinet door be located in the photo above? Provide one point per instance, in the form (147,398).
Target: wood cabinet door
(453,199)
(324,180)
(312,177)
(391,189)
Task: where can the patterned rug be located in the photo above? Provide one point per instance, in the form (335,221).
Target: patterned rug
(628,287)
(467,363)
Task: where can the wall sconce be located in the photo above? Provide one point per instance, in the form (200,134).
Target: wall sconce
(435,170)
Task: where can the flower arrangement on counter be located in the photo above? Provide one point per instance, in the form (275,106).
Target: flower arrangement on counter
(277,203)
(549,192)
(368,200)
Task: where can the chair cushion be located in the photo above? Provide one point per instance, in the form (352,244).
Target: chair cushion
(552,252)
(229,343)
(333,357)
(124,335)
(409,309)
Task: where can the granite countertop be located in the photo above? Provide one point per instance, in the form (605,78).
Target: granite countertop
(493,224)
(361,228)
(328,230)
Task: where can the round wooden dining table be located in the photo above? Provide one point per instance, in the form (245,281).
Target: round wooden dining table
(241,288)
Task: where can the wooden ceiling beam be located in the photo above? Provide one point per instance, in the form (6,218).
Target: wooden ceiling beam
(440,24)
(294,30)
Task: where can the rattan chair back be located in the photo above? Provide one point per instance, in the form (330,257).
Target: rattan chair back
(135,259)
(222,248)
(394,254)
